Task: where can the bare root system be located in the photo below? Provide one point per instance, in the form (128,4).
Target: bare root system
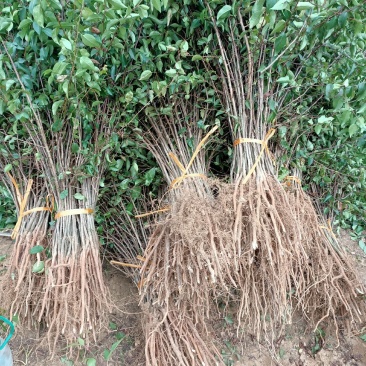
(174,338)
(76,300)
(22,289)
(288,261)
(187,262)
(266,238)
(330,288)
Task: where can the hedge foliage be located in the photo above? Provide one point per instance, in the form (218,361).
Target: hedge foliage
(71,55)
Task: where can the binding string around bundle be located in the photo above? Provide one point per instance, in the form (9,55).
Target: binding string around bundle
(23,200)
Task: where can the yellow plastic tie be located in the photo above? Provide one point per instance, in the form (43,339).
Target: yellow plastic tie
(23,203)
(15,184)
(177,181)
(125,264)
(255,141)
(293,178)
(164,209)
(264,144)
(329,228)
(184,170)
(75,211)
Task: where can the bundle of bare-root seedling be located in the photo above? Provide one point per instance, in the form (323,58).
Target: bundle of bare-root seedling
(125,237)
(186,259)
(333,289)
(75,301)
(24,281)
(286,261)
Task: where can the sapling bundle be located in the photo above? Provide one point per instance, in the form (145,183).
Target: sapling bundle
(186,259)
(25,278)
(276,244)
(126,237)
(71,146)
(76,300)
(332,289)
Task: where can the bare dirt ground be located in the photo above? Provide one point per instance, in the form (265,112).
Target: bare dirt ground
(296,346)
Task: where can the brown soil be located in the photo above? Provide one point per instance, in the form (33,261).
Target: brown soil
(294,347)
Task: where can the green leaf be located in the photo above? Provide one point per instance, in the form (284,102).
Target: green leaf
(74,148)
(280,5)
(112,326)
(87,63)
(106,354)
(79,196)
(64,194)
(256,13)
(91,362)
(317,129)
(5,24)
(352,129)
(229,320)
(196,58)
(342,20)
(81,342)
(279,26)
(38,267)
(36,249)
(149,176)
(55,106)
(15,319)
(282,130)
(362,245)
(304,6)
(280,43)
(145,75)
(115,345)
(171,72)
(136,192)
(9,83)
(129,97)
(310,145)
(90,41)
(284,79)
(7,168)
(57,125)
(59,67)
(117,4)
(55,4)
(157,5)
(224,12)
(38,15)
(270,4)
(327,198)
(65,43)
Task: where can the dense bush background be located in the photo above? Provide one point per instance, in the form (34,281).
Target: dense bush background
(72,55)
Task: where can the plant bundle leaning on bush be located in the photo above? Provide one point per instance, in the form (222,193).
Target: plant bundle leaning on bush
(285,256)
(187,259)
(25,277)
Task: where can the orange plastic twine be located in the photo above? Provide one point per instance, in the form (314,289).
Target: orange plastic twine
(264,144)
(177,181)
(75,211)
(293,178)
(164,209)
(125,264)
(22,201)
(329,228)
